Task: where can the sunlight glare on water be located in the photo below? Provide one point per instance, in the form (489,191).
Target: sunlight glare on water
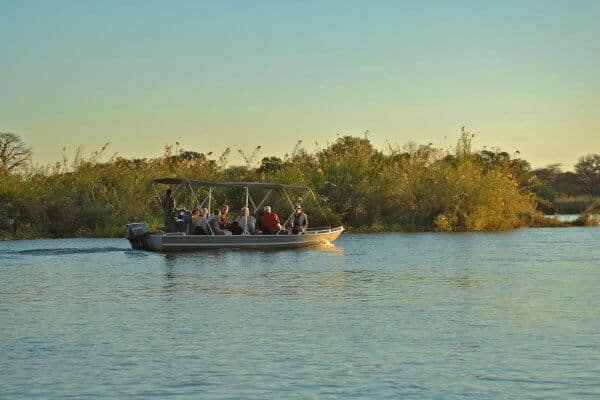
(473,315)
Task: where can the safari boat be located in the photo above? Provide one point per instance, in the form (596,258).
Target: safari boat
(180,237)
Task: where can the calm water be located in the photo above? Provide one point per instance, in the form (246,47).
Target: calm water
(509,315)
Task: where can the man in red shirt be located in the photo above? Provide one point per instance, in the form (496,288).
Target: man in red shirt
(269,222)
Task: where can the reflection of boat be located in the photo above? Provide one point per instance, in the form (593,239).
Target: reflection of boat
(180,237)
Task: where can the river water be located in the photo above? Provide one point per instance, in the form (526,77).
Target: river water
(474,315)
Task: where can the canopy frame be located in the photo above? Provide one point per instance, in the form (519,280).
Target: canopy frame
(190,183)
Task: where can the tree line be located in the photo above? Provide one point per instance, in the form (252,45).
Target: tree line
(409,188)
(569,191)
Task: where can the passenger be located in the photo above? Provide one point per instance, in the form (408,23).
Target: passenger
(269,222)
(214,224)
(246,222)
(235,228)
(201,224)
(299,221)
(195,215)
(168,208)
(223,218)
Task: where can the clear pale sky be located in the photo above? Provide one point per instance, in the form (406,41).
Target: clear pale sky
(522,75)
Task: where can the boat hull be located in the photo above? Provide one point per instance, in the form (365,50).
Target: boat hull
(182,242)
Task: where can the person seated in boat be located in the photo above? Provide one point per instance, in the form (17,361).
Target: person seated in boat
(223,219)
(195,215)
(245,222)
(269,222)
(235,228)
(200,226)
(299,221)
(214,224)
(168,205)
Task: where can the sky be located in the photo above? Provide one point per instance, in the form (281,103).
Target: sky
(521,75)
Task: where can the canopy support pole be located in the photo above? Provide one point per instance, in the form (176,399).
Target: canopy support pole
(194,194)
(245,232)
(158,196)
(203,201)
(252,202)
(176,189)
(291,204)
(305,194)
(319,205)
(210,189)
(264,199)
(288,220)
(288,198)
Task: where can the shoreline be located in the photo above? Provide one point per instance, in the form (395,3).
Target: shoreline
(547,222)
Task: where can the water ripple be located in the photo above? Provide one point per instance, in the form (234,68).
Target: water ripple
(66,251)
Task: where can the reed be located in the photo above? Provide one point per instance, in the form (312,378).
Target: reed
(573,204)
(589,216)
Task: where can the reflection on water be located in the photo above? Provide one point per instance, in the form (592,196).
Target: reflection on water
(508,315)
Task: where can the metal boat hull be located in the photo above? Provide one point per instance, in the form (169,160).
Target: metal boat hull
(182,242)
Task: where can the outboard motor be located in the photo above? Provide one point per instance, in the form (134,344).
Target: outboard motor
(183,220)
(137,234)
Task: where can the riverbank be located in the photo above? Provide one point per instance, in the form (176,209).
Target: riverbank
(549,221)
(412,188)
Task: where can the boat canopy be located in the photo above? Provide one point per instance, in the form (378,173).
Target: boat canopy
(262,185)
(245,186)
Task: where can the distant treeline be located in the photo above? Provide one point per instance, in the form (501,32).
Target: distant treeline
(568,192)
(409,188)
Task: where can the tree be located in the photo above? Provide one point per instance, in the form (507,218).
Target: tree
(14,155)
(270,165)
(588,171)
(349,145)
(548,174)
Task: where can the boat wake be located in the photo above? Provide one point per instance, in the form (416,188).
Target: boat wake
(65,251)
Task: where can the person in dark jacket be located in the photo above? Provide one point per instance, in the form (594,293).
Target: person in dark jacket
(168,208)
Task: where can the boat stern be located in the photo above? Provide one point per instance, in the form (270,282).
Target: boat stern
(137,234)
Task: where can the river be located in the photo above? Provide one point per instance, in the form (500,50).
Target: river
(428,315)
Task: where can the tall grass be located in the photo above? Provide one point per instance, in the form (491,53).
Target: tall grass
(413,188)
(573,204)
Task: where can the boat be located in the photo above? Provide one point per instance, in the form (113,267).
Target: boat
(179,235)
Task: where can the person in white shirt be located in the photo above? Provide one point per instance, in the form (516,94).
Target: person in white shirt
(201,223)
(246,222)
